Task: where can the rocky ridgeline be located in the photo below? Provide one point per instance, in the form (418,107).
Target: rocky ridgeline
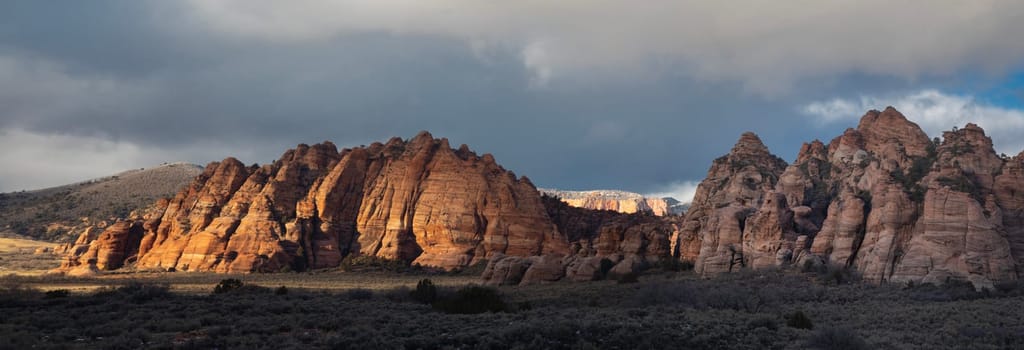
(620,201)
(882,198)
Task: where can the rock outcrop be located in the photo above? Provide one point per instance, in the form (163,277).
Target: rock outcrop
(881,198)
(604,244)
(736,186)
(418,201)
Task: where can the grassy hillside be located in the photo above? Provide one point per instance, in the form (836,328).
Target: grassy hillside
(59,213)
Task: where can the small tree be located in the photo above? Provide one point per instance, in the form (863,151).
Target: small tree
(799,320)
(227,285)
(425,292)
(472,300)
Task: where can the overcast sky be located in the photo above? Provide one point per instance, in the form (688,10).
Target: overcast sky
(638,96)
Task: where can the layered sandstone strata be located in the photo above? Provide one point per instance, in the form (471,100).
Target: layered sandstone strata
(881,198)
(418,201)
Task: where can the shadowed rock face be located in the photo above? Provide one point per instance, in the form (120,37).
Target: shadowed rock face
(881,198)
(623,243)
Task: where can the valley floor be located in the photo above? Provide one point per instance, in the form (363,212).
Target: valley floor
(751,310)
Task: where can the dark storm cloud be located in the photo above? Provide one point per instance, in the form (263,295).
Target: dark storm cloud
(142,83)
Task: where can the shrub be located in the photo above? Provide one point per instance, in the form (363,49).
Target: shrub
(606,265)
(140,293)
(734,299)
(763,322)
(830,273)
(721,297)
(471,270)
(12,289)
(472,300)
(675,265)
(523,306)
(664,293)
(799,320)
(366,262)
(425,292)
(57,293)
(359,294)
(1007,287)
(836,339)
(808,266)
(631,277)
(398,294)
(950,290)
(227,285)
(137,292)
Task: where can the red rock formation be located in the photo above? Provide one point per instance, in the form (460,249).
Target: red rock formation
(713,230)
(604,244)
(418,201)
(1008,190)
(881,198)
(769,234)
(107,251)
(889,135)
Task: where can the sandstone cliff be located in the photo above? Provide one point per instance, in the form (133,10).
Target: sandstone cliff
(604,244)
(881,198)
(734,189)
(418,201)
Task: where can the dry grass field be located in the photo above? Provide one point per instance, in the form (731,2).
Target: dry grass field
(199,283)
(390,310)
(18,256)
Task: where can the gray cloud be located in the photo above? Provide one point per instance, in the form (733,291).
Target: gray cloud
(765,45)
(40,160)
(934,111)
(597,96)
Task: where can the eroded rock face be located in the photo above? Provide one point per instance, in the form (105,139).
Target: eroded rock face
(518,270)
(770,234)
(418,200)
(604,244)
(1009,196)
(737,183)
(956,238)
(107,251)
(881,198)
